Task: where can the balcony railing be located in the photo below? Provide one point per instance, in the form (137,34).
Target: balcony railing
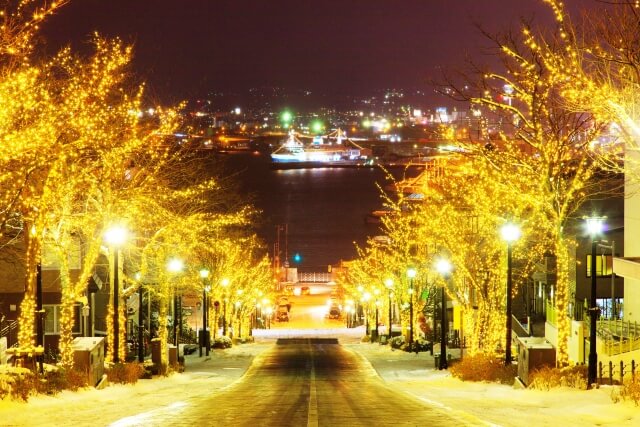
(618,336)
(10,330)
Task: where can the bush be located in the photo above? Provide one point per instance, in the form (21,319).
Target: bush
(125,373)
(417,346)
(222,342)
(59,379)
(23,386)
(396,342)
(630,390)
(365,338)
(20,383)
(17,383)
(482,367)
(548,377)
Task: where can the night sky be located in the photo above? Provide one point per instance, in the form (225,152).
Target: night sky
(185,48)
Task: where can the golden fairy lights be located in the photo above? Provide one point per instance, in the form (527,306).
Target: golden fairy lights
(75,159)
(539,172)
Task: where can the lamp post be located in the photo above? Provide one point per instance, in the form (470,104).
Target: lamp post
(389,284)
(140,327)
(444,268)
(510,233)
(204,342)
(411,273)
(377,293)
(138,277)
(594,226)
(238,319)
(115,236)
(175,265)
(238,306)
(366,296)
(224,283)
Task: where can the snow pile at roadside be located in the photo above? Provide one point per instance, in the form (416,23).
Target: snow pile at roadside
(101,407)
(495,403)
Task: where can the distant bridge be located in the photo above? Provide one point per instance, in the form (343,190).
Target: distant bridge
(314,277)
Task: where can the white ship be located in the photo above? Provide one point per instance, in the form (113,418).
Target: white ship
(343,152)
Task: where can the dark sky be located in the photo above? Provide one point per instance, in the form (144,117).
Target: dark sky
(184,48)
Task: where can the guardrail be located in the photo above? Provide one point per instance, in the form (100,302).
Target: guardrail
(617,335)
(10,330)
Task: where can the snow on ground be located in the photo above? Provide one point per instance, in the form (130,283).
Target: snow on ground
(473,403)
(91,407)
(496,404)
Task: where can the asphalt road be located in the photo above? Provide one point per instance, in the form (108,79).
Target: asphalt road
(308,382)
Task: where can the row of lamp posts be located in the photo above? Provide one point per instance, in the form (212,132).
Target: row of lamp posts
(115,237)
(510,234)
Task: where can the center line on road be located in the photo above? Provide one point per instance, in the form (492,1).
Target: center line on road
(312,420)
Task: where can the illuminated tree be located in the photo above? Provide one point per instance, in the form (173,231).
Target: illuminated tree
(543,148)
(79,156)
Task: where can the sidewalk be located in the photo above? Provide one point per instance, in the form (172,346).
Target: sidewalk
(130,404)
(495,404)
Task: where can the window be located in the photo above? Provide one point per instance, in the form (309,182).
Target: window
(606,260)
(52,319)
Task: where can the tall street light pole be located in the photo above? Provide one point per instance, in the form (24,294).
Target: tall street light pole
(444,268)
(510,233)
(594,226)
(366,296)
(376,292)
(389,284)
(115,236)
(175,266)
(224,283)
(140,319)
(204,341)
(411,273)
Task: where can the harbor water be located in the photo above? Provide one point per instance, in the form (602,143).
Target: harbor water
(323,209)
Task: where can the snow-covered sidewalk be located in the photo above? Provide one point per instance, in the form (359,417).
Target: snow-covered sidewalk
(122,405)
(496,404)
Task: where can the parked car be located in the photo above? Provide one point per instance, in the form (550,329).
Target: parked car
(282,313)
(305,290)
(334,312)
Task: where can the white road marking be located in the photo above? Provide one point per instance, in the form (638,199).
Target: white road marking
(139,419)
(312,419)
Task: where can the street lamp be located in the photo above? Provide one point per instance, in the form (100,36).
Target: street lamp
(389,284)
(366,296)
(594,227)
(204,342)
(510,233)
(444,268)
(140,320)
(376,292)
(238,305)
(175,265)
(115,236)
(411,273)
(224,283)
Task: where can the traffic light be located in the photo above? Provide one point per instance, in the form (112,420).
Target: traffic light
(297,258)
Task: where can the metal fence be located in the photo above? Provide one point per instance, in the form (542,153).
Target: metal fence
(615,373)
(10,330)
(617,335)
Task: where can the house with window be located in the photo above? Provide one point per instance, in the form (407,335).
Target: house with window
(89,319)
